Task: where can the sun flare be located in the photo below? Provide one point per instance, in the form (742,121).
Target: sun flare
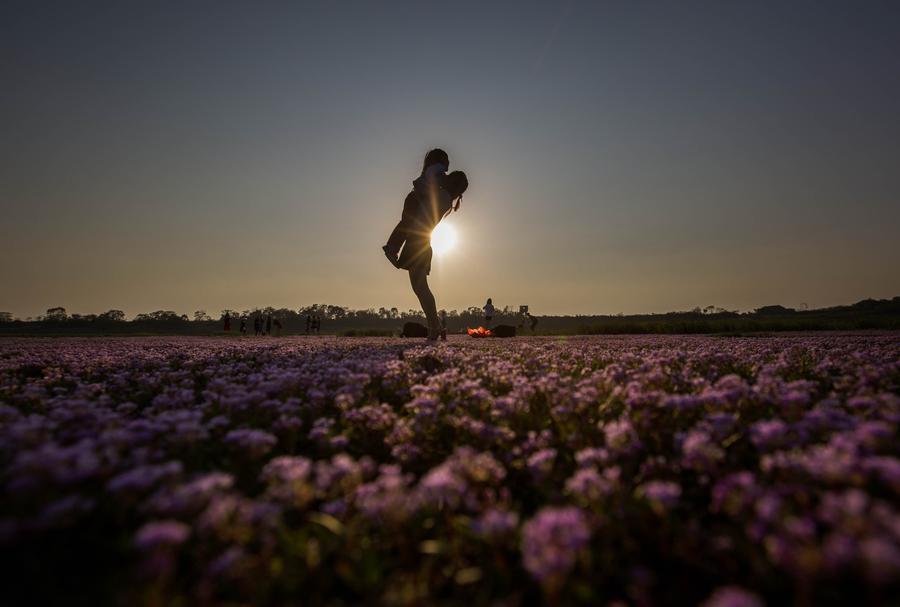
(443,239)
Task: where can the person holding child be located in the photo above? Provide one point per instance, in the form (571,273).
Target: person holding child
(435,195)
(436,164)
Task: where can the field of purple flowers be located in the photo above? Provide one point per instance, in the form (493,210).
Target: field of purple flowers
(629,471)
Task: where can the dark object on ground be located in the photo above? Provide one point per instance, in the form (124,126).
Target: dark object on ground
(503,331)
(414,329)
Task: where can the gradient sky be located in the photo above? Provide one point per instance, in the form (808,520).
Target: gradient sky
(623,156)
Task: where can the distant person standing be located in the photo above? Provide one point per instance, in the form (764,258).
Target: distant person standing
(268,324)
(443,316)
(317,324)
(257,325)
(308,323)
(488,311)
(227,320)
(243,326)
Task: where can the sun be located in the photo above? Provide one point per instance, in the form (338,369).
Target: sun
(443,238)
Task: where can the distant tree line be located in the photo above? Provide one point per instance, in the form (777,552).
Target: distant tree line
(866,314)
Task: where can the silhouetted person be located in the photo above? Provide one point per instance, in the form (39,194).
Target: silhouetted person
(257,325)
(317,324)
(433,170)
(227,320)
(416,254)
(443,325)
(527,317)
(488,312)
(243,326)
(308,323)
(268,324)
(277,324)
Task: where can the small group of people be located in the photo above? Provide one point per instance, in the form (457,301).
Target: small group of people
(313,324)
(266,324)
(524,314)
(262,325)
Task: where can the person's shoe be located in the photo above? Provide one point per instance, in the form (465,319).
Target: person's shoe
(392,257)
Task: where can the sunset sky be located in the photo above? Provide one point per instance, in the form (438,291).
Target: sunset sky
(623,156)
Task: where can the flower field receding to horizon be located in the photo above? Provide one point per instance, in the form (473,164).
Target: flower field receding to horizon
(344,471)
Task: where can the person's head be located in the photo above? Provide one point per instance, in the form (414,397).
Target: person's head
(436,156)
(456,183)
(490,303)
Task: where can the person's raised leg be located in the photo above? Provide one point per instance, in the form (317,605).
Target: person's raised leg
(395,240)
(419,280)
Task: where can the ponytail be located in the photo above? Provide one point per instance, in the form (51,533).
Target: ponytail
(458,202)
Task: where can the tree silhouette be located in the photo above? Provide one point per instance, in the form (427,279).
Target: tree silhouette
(56,314)
(160,315)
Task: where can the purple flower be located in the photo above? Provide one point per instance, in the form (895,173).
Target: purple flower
(339,442)
(495,523)
(871,434)
(881,559)
(699,452)
(733,596)
(143,478)
(287,424)
(340,475)
(839,551)
(663,495)
(385,498)
(253,443)
(620,436)
(286,469)
(321,428)
(591,456)
(166,533)
(191,496)
(551,542)
(886,468)
(720,424)
(541,463)
(588,485)
(442,486)
(768,434)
